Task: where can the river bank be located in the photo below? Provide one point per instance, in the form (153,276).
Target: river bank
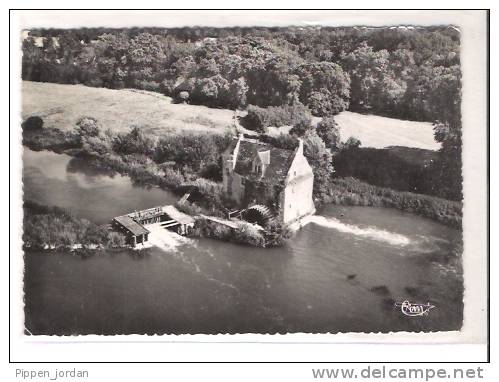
(50,228)
(341,272)
(54,228)
(336,274)
(146,172)
(353,192)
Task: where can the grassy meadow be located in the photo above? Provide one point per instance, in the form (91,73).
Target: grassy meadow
(381,132)
(60,106)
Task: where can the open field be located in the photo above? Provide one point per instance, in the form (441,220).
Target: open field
(380,132)
(60,106)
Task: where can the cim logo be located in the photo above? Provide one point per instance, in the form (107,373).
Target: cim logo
(413,310)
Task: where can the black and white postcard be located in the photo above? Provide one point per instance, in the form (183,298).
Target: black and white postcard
(251,173)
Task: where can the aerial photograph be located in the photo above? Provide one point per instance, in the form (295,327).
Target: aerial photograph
(244,179)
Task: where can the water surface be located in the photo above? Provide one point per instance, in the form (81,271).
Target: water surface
(342,272)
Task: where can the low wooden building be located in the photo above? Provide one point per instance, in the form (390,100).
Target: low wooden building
(132,224)
(148,216)
(134,232)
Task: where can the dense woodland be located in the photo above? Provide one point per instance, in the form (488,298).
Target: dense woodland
(281,76)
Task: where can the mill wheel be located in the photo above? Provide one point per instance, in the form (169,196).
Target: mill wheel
(258,214)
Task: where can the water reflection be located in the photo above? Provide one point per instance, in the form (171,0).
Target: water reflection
(89,167)
(60,180)
(327,278)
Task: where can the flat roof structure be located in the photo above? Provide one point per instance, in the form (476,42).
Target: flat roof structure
(131,225)
(177,215)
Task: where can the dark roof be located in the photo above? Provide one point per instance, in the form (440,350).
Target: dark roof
(131,225)
(276,171)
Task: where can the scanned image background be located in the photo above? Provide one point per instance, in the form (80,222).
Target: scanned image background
(342,144)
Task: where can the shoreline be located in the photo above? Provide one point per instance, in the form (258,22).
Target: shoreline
(344,191)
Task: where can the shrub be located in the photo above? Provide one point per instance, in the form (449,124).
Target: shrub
(276,234)
(352,142)
(167,87)
(194,150)
(212,171)
(256,119)
(50,139)
(399,168)
(248,234)
(245,233)
(52,227)
(135,142)
(147,85)
(115,239)
(88,127)
(259,119)
(301,128)
(329,131)
(190,208)
(350,191)
(96,146)
(32,123)
(282,141)
(320,159)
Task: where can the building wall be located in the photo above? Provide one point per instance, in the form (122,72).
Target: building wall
(293,202)
(257,192)
(232,184)
(297,198)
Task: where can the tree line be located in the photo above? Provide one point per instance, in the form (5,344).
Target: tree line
(396,72)
(279,75)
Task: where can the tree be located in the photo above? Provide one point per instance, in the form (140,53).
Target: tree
(145,50)
(302,127)
(31,60)
(329,131)
(351,143)
(259,119)
(33,123)
(88,127)
(445,102)
(93,141)
(237,93)
(385,71)
(375,85)
(325,87)
(320,159)
(205,91)
(208,68)
(194,150)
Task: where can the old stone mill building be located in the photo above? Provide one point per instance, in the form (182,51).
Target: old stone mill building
(263,181)
(272,180)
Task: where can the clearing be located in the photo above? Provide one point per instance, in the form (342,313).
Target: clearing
(60,106)
(381,132)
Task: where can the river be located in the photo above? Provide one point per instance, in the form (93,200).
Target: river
(342,272)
